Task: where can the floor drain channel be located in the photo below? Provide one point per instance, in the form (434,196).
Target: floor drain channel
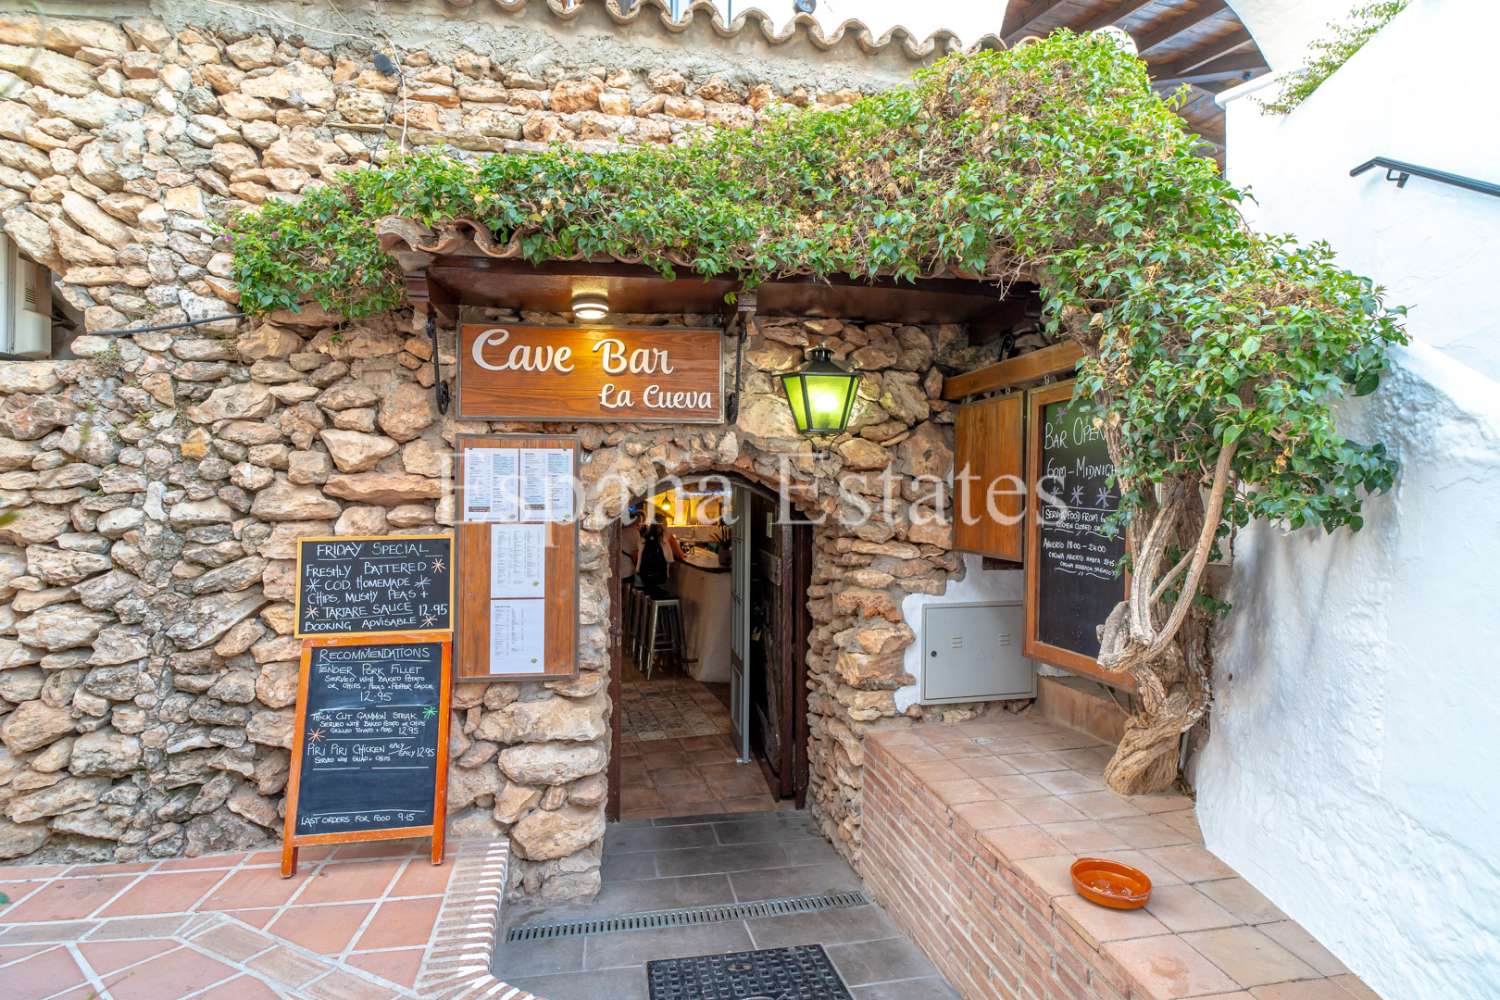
(687,916)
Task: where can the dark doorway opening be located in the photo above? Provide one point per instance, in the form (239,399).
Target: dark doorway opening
(709,665)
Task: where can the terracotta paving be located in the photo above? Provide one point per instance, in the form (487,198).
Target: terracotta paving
(365,921)
(1034,793)
(670,708)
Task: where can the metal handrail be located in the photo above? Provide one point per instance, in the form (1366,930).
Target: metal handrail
(1400,172)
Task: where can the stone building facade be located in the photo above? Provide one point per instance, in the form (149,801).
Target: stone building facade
(159,479)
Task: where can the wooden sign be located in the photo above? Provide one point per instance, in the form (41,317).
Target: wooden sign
(1073,575)
(370,746)
(566,373)
(517,557)
(989,491)
(356,585)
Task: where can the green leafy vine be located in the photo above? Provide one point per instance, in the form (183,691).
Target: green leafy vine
(1326,55)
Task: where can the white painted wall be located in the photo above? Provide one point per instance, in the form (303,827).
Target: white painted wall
(1351,770)
(977,586)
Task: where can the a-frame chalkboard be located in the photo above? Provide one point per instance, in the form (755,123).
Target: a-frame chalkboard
(370,744)
(1073,552)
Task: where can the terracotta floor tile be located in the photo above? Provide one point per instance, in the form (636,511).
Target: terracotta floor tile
(696,788)
(1018,842)
(1162,802)
(421,877)
(57,932)
(326,930)
(1183,908)
(25,873)
(988,815)
(1046,809)
(639,798)
(251,888)
(943,770)
(1355,987)
(1191,862)
(400,923)
(984,767)
(345,883)
(255,918)
(1145,832)
(66,899)
(1154,871)
(1087,836)
(1308,989)
(1068,782)
(963,790)
(400,967)
(341,985)
(134,868)
(1103,805)
(752,803)
(668,776)
(287,966)
(1241,898)
(1009,787)
(374,849)
(1249,957)
(175,974)
(41,975)
(304,855)
(20,951)
(1291,936)
(241,988)
(105,957)
(1051,875)
(1168,968)
(205,861)
(1100,923)
(17,891)
(163,892)
(233,942)
(1028,763)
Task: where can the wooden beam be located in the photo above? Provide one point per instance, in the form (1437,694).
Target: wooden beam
(1020,23)
(1235,66)
(1161,34)
(1207,53)
(1057,359)
(1114,15)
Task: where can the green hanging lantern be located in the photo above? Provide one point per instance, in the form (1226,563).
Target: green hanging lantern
(821,394)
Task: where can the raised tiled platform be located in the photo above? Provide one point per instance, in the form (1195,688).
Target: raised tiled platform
(968,835)
(362,921)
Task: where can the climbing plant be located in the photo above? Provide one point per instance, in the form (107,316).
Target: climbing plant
(1326,55)
(1214,355)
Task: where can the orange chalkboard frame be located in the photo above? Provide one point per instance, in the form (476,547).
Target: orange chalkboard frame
(291,840)
(297,595)
(1031,646)
(472,552)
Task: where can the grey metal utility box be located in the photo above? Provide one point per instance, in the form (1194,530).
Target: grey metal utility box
(972,652)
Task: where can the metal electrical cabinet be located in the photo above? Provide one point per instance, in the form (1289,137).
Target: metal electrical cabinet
(972,652)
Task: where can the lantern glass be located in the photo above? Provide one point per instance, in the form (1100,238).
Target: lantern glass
(822,394)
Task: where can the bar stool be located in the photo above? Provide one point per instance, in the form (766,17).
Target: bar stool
(630,593)
(663,633)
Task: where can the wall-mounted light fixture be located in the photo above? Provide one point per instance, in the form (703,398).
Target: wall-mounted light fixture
(590,307)
(821,394)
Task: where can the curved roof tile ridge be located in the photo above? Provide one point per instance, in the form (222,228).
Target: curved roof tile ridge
(940,42)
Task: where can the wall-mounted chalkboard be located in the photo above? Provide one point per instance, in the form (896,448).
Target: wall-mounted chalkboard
(356,585)
(370,748)
(1073,551)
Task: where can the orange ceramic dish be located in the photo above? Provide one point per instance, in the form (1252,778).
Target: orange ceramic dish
(1111,884)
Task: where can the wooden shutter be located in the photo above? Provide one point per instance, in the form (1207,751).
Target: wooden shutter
(989,483)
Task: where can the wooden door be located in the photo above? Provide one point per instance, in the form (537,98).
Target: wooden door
(739,620)
(616,667)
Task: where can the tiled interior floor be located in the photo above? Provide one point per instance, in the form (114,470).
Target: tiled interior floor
(664,864)
(1034,797)
(355,922)
(671,708)
(688,777)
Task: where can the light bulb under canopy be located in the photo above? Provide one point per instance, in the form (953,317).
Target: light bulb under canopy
(590,307)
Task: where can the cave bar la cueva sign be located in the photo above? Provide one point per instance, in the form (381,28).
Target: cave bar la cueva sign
(593,373)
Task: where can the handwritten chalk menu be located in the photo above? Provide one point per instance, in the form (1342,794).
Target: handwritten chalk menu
(517,546)
(1074,579)
(370,747)
(374,585)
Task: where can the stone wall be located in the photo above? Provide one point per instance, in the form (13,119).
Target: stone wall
(147,671)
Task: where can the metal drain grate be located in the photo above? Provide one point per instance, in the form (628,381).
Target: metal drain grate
(687,916)
(802,972)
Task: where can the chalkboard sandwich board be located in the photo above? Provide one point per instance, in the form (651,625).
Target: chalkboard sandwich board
(370,743)
(1073,574)
(357,585)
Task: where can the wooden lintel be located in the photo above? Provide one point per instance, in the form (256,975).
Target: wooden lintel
(1058,359)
